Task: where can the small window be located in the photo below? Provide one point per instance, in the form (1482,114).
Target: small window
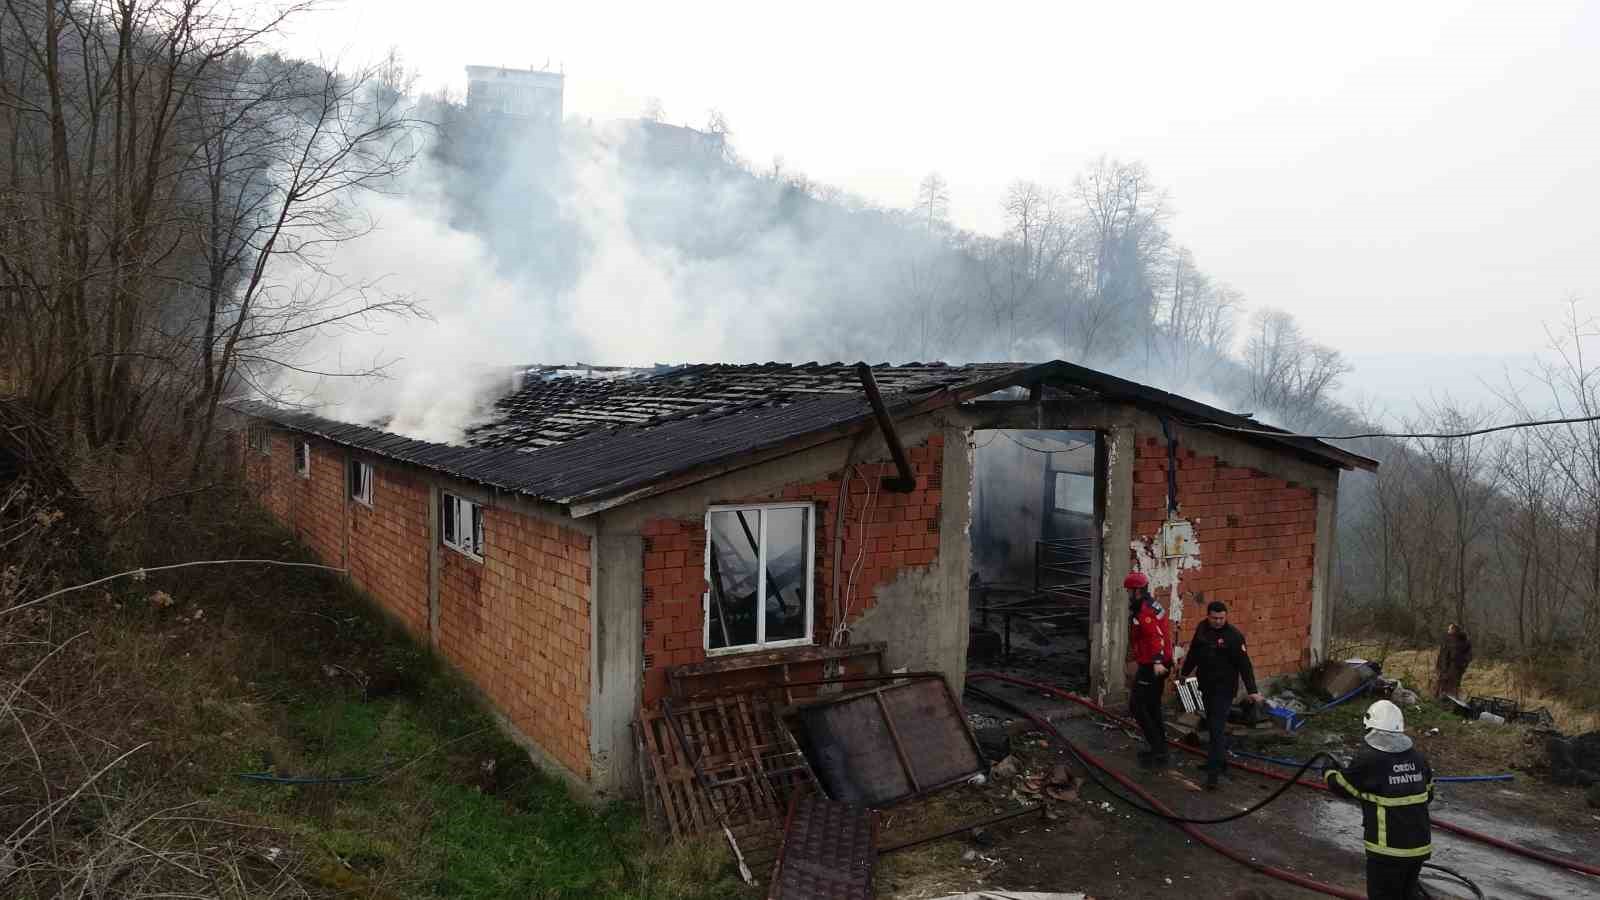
(259,438)
(302,458)
(361,482)
(462,525)
(1074,493)
(759,568)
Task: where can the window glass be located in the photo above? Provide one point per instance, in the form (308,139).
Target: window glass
(758,562)
(734,559)
(788,563)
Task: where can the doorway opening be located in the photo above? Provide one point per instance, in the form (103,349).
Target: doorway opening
(1038,507)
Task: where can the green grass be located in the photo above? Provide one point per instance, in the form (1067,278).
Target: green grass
(293,672)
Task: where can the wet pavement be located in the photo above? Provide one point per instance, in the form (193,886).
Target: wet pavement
(1313,834)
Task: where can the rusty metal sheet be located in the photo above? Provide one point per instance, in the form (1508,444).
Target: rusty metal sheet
(829,851)
(883,746)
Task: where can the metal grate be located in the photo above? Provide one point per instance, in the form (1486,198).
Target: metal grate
(829,851)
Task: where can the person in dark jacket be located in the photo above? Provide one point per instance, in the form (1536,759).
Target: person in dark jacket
(1150,643)
(1455,654)
(1394,785)
(1219,652)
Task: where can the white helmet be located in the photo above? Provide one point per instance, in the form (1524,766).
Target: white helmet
(1385,716)
(1386,727)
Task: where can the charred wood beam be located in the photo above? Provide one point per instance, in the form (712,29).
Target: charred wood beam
(906,481)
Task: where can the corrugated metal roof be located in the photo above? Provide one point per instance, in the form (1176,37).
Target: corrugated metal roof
(574,441)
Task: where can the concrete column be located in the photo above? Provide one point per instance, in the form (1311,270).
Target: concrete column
(616,659)
(433,566)
(1108,647)
(1322,573)
(955,553)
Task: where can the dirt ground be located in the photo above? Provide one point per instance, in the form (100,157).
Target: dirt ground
(1097,844)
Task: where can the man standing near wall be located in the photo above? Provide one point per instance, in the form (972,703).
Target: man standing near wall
(1218,651)
(1150,639)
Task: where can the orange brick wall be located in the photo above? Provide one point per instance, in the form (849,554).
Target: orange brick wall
(901,532)
(1257,537)
(313,508)
(517,625)
(388,555)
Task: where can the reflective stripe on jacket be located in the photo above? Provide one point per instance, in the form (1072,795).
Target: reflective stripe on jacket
(1394,790)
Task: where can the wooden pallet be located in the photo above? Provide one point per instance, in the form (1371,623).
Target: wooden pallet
(750,768)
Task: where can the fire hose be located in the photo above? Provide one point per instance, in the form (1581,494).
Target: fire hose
(1527,852)
(1090,763)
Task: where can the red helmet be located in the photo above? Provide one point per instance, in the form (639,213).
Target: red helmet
(1135,581)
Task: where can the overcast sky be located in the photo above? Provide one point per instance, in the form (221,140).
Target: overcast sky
(1417,182)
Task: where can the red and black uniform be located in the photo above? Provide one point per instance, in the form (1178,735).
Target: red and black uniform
(1151,643)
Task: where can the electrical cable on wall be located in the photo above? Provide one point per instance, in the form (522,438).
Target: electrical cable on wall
(841,627)
(1172,467)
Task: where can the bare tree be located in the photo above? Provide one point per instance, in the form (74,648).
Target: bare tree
(177,191)
(1018,267)
(1286,371)
(331,136)
(933,201)
(1572,384)
(1463,470)
(1124,226)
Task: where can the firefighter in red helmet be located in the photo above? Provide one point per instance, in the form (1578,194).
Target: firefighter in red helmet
(1150,639)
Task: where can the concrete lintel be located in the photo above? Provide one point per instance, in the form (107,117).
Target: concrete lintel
(1279,462)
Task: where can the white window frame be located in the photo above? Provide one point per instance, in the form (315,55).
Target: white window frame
(259,438)
(368,473)
(761,569)
(302,458)
(456,508)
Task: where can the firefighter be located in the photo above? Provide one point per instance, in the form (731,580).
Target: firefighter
(1150,639)
(1394,785)
(1219,652)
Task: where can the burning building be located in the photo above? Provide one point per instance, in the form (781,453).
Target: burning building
(604,538)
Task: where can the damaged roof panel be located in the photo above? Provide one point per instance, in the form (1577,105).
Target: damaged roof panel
(590,443)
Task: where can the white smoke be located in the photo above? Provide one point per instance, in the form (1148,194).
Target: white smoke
(668,265)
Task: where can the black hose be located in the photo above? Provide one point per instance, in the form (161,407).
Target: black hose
(1053,732)
(1471,885)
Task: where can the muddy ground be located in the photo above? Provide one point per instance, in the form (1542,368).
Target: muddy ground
(1096,844)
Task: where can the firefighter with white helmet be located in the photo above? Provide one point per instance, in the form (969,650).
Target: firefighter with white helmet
(1394,785)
